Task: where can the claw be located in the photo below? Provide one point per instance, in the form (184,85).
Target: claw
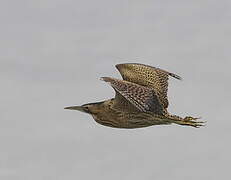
(189,118)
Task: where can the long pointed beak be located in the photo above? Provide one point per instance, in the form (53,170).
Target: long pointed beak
(78,108)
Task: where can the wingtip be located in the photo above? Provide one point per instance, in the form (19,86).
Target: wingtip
(101,78)
(106,79)
(118,66)
(176,76)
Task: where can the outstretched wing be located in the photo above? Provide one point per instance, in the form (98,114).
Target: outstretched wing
(141,97)
(148,76)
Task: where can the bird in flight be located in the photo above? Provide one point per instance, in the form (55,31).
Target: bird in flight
(140,100)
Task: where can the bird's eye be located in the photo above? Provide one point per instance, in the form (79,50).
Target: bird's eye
(86,108)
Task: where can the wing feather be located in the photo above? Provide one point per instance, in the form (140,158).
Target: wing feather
(143,98)
(154,78)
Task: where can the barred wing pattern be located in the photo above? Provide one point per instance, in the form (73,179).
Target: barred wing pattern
(143,98)
(148,76)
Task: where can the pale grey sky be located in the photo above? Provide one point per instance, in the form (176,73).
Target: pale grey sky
(52,55)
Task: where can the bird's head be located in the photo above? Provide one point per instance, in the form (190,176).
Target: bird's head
(90,108)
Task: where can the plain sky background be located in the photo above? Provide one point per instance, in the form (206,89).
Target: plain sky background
(52,53)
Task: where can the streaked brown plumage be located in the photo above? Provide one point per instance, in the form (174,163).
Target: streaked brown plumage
(140,100)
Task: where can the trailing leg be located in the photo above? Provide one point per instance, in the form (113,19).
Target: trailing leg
(190,121)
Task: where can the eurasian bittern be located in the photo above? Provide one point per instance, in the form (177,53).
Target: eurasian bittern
(140,100)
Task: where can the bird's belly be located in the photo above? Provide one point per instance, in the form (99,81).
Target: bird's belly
(111,122)
(127,122)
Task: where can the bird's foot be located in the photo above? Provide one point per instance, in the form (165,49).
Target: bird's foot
(191,121)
